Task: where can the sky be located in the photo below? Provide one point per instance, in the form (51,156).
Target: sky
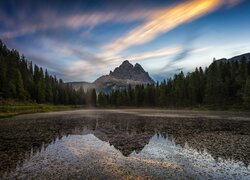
(82,40)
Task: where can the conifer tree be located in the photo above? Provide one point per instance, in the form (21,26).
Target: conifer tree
(20,92)
(246,96)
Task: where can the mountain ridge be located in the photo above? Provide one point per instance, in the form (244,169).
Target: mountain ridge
(235,58)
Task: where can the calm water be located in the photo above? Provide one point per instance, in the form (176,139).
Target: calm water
(125,144)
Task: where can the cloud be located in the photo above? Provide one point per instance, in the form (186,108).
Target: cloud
(162,22)
(71,50)
(47,19)
(68,61)
(78,62)
(231,3)
(154,54)
(80,69)
(43,61)
(176,68)
(166,75)
(184,61)
(187,49)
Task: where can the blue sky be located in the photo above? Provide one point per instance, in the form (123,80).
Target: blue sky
(81,40)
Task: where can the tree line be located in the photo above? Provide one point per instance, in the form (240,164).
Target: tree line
(221,85)
(21,80)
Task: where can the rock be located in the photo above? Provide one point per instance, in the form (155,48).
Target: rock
(120,78)
(130,72)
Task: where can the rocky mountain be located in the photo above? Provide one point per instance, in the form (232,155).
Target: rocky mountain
(120,78)
(128,71)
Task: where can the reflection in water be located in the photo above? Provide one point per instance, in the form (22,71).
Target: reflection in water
(161,157)
(84,156)
(199,164)
(132,138)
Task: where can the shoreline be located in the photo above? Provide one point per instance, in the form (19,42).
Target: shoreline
(143,112)
(15,110)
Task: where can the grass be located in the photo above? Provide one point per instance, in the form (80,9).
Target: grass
(13,108)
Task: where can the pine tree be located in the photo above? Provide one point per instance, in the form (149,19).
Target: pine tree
(3,71)
(131,99)
(246,96)
(20,92)
(162,95)
(241,77)
(48,88)
(214,87)
(93,97)
(102,99)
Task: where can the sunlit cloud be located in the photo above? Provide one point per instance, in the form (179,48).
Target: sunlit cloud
(154,54)
(80,69)
(167,20)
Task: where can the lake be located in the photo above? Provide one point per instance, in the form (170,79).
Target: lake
(126,144)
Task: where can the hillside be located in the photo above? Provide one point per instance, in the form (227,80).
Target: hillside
(235,58)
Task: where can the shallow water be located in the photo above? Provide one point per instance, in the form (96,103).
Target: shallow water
(125,144)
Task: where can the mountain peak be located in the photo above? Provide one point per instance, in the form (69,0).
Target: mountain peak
(126,62)
(127,71)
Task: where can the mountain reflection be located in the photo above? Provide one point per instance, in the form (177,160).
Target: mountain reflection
(76,153)
(130,135)
(199,164)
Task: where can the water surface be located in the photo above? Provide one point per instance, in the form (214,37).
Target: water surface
(126,143)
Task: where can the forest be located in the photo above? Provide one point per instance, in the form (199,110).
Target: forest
(222,85)
(23,81)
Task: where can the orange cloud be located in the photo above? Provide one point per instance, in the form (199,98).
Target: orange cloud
(163,21)
(154,54)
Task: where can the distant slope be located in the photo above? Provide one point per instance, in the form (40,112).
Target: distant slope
(235,58)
